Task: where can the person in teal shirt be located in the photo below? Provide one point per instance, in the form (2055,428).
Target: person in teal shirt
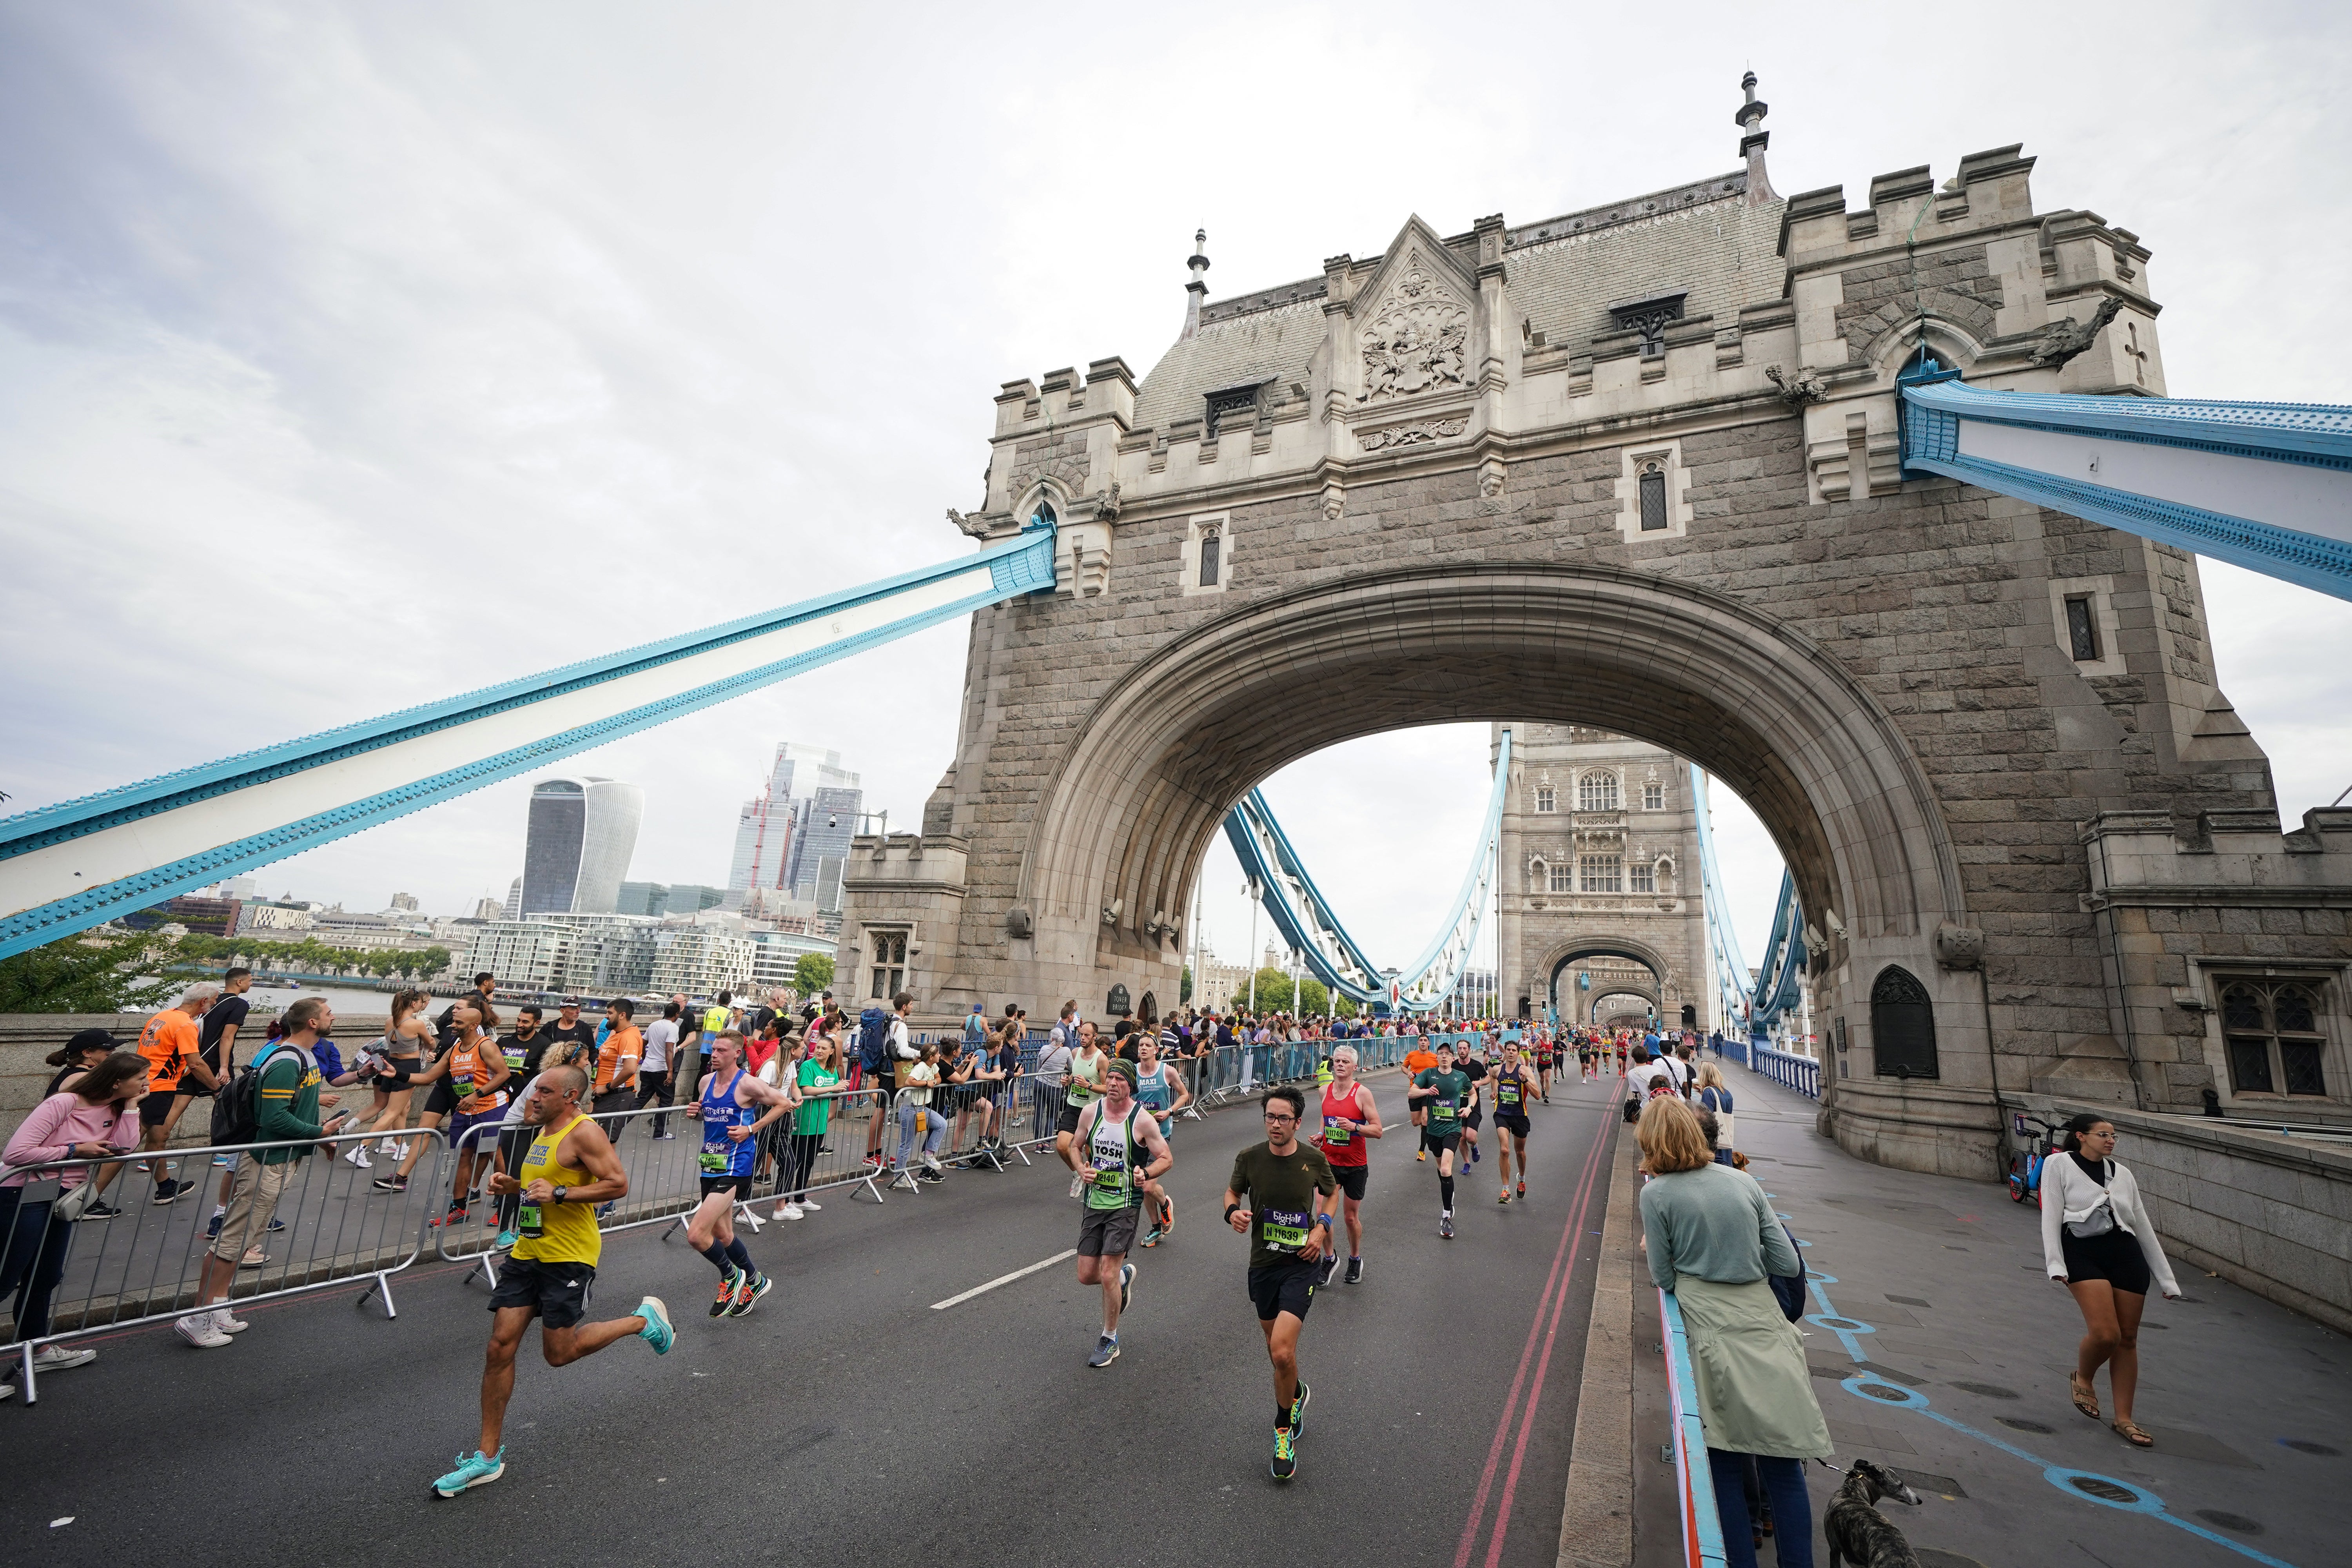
(1441,1092)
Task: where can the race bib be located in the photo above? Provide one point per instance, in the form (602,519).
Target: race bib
(716,1158)
(1111,1178)
(1337,1137)
(1508,1093)
(1443,1111)
(1283,1230)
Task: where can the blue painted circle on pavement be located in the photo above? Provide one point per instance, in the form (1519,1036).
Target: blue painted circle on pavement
(1815,1277)
(2142,1499)
(1897,1396)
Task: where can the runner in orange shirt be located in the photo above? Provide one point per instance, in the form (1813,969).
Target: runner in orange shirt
(1416,1061)
(172,1047)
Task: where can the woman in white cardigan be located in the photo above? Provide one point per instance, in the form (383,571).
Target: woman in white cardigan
(2099,1242)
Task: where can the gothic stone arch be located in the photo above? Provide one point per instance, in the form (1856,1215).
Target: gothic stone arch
(1437,487)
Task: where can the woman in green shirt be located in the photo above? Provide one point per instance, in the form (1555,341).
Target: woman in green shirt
(818,1075)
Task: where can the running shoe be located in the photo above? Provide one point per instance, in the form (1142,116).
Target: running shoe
(748,1296)
(212,1227)
(386,1146)
(1153,1238)
(658,1331)
(390,1183)
(1126,1287)
(473,1470)
(1330,1266)
(1106,1352)
(254,1258)
(1299,1412)
(359,1156)
(454,1217)
(99,1209)
(1285,1453)
(930,1160)
(1355,1271)
(811,1205)
(727,1284)
(168,1191)
(1421,1154)
(1445,1227)
(1474,1155)
(790,1210)
(506,1241)
(1523,1189)
(665,1137)
(1504,1196)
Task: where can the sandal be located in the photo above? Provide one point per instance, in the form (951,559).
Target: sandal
(2085,1396)
(2129,1431)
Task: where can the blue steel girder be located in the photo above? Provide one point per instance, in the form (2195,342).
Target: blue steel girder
(2266,486)
(1314,932)
(66,868)
(1733,1003)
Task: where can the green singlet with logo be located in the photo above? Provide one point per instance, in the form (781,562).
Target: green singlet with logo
(1113,1156)
(1445,1111)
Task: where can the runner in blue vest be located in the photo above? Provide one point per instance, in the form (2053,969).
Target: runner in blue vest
(732,1119)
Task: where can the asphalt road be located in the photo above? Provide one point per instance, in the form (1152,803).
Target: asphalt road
(845,1421)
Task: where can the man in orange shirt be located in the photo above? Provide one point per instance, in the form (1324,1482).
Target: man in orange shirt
(171,1046)
(616,1062)
(1417,1060)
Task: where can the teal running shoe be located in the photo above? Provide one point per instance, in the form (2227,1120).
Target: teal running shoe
(506,1241)
(473,1470)
(658,1331)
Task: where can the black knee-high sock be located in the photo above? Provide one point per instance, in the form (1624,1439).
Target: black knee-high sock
(737,1255)
(1445,1189)
(718,1258)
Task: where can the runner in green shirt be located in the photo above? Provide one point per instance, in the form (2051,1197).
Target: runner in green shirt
(1283,1196)
(1441,1092)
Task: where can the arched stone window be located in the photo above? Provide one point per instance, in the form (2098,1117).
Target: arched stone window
(1538,875)
(1597,791)
(1545,799)
(1213,543)
(1902,1025)
(1560,879)
(1206,561)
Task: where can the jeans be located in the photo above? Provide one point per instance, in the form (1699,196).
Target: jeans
(935,1135)
(33,1250)
(804,1158)
(652,1087)
(1793,1513)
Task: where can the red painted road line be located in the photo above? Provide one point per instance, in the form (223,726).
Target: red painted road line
(1566,1251)
(1534,1391)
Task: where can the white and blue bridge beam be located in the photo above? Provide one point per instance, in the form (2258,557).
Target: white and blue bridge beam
(67,867)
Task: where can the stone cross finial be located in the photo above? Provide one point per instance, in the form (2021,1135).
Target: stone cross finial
(1198,289)
(1752,141)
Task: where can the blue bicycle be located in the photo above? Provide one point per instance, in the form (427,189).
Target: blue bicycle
(2025,1166)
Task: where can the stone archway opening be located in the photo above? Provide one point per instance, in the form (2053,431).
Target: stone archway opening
(1582,973)
(1120,826)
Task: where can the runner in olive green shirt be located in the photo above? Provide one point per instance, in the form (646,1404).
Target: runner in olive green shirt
(1283,1196)
(1441,1091)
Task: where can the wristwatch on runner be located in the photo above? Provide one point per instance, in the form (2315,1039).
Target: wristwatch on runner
(559,1193)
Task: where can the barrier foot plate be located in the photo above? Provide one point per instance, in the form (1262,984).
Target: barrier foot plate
(383,1289)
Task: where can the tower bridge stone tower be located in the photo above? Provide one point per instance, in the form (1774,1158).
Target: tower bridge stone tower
(1599,863)
(1633,468)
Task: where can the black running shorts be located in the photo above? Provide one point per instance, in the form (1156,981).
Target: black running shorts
(1068,1120)
(1284,1287)
(1432,1142)
(1516,1126)
(740,1185)
(558,1292)
(1351,1179)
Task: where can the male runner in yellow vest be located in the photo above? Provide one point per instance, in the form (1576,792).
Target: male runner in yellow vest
(569,1170)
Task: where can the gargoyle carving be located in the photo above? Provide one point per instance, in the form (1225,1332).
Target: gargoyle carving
(2066,337)
(1797,392)
(971,525)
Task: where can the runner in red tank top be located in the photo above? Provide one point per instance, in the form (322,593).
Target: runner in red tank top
(1349,1116)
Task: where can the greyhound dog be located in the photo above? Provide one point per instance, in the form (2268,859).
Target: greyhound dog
(1860,1534)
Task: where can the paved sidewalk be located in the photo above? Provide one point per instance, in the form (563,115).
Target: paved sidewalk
(1941,1349)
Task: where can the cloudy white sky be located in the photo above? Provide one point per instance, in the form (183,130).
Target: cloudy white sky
(353,355)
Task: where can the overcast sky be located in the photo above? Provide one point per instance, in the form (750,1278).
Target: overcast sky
(352,356)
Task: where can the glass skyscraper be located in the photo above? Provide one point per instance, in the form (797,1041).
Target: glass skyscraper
(809,794)
(576,848)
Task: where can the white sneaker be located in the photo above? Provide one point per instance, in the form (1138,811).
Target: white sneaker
(1077,1186)
(930,1160)
(56,1358)
(790,1210)
(811,1205)
(386,1146)
(226,1325)
(358,1156)
(198,1331)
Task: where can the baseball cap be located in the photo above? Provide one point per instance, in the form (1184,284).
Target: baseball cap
(569,1002)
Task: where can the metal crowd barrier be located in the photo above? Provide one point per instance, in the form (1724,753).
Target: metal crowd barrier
(145,1265)
(1694,1480)
(1800,1073)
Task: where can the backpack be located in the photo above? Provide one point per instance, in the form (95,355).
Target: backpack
(874,1040)
(237,1109)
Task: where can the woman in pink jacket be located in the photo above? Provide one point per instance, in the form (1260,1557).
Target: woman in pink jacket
(97,1117)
